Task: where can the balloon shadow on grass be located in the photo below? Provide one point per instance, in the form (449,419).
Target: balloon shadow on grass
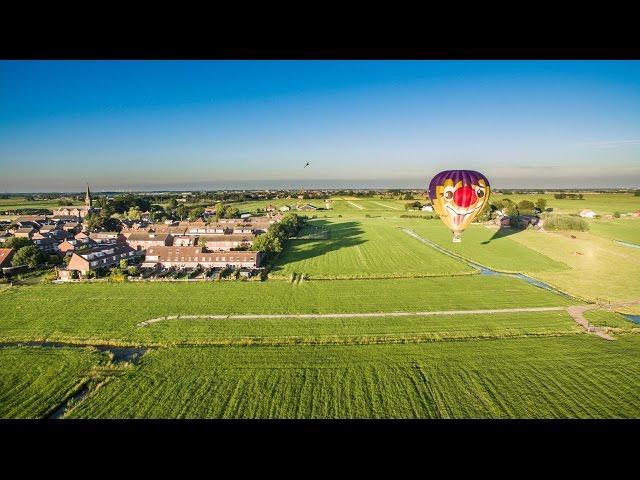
(501,233)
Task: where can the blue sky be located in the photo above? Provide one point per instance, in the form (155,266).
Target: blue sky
(254,124)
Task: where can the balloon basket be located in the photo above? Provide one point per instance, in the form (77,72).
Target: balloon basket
(457,238)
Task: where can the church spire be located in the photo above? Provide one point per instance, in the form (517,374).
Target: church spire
(87,197)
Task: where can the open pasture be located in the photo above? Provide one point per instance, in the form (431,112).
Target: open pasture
(601,203)
(364,248)
(575,376)
(600,270)
(491,247)
(34,381)
(109,312)
(625,229)
(14,203)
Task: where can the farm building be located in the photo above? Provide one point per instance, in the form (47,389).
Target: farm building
(588,213)
(98,257)
(191,257)
(427,208)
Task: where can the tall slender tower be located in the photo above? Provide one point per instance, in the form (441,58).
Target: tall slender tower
(87,197)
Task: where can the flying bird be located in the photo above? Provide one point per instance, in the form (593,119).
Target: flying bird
(308,163)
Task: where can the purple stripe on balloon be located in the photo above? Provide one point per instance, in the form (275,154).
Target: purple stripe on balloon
(468,177)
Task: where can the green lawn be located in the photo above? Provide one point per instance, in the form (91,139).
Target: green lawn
(109,312)
(34,381)
(577,376)
(625,229)
(491,247)
(364,248)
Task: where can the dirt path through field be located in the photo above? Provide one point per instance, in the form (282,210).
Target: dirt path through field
(577,313)
(348,315)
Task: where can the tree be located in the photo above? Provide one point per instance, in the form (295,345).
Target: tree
(526,205)
(195,213)
(182,211)
(637,193)
(541,204)
(124,263)
(17,243)
(29,255)
(133,213)
(94,222)
(268,243)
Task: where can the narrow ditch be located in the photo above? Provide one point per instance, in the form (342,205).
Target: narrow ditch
(489,271)
(120,356)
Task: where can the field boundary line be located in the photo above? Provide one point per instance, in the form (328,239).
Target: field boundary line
(355,205)
(383,205)
(348,315)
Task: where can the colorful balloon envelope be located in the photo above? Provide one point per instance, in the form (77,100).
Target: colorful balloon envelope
(458,196)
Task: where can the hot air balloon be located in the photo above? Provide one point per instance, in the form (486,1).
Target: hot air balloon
(458,196)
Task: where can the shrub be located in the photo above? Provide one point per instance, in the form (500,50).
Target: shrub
(565,222)
(616,214)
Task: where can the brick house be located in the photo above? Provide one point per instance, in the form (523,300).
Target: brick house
(99,257)
(144,240)
(26,232)
(191,257)
(225,242)
(107,237)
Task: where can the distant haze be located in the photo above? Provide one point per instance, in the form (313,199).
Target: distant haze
(203,125)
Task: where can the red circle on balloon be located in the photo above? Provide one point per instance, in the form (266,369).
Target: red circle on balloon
(464,196)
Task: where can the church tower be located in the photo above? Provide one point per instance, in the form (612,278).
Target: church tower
(87,197)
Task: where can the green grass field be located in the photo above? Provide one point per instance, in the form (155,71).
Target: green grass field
(624,229)
(600,270)
(553,377)
(365,248)
(367,330)
(19,203)
(491,247)
(601,203)
(34,381)
(109,312)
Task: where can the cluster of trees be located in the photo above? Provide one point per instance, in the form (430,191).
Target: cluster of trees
(272,242)
(524,207)
(565,222)
(414,205)
(570,196)
(636,193)
(26,252)
(102,221)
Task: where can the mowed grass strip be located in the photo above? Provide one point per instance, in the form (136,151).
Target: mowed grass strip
(578,376)
(361,330)
(490,247)
(110,312)
(34,381)
(367,248)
